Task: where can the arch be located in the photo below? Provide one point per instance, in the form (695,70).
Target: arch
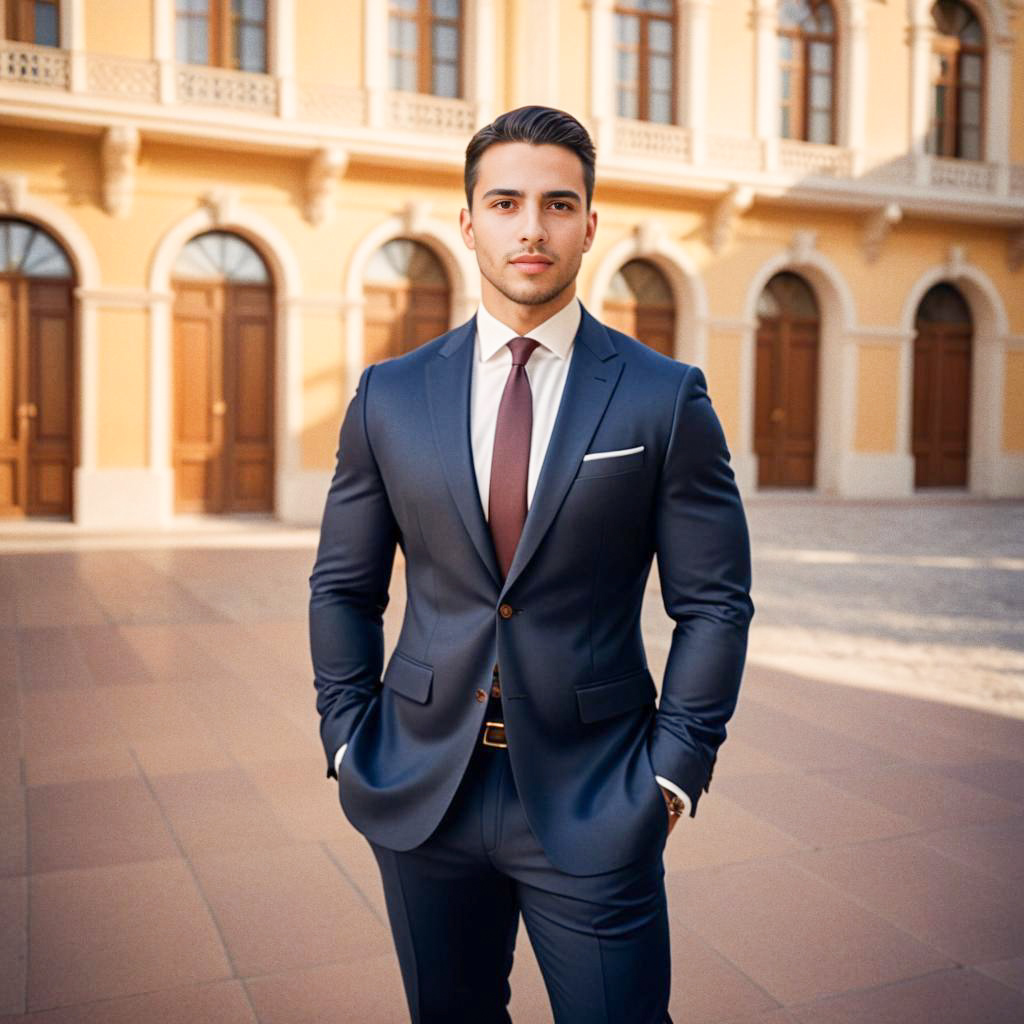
(988,366)
(65,230)
(688,291)
(79,248)
(221,213)
(443,241)
(837,380)
(39,454)
(994,17)
(408,297)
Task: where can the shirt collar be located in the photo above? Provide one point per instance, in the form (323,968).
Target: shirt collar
(556,334)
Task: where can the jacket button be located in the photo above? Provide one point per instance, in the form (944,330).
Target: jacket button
(481,696)
(506,611)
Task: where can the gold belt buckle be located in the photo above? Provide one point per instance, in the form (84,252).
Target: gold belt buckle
(494,735)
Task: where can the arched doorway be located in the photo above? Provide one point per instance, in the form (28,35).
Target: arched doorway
(408,299)
(786,388)
(941,410)
(223,368)
(640,303)
(37,373)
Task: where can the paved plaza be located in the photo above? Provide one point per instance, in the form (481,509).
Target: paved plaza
(171,853)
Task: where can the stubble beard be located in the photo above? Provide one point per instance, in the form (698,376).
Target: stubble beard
(525,296)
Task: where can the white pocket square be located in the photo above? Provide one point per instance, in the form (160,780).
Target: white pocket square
(613,455)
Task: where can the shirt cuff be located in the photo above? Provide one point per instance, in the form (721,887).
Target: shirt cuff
(338,756)
(672,788)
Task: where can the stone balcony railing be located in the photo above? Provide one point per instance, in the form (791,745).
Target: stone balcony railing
(34,65)
(222,93)
(646,139)
(218,87)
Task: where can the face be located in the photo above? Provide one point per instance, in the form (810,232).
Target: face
(529,227)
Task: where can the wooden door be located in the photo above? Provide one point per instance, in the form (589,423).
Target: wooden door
(941,406)
(223,397)
(400,317)
(198,398)
(640,303)
(36,397)
(248,390)
(654,325)
(786,400)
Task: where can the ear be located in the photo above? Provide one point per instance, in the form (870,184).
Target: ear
(588,239)
(466,228)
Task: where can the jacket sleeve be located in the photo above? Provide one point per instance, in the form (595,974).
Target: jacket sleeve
(703,552)
(349,584)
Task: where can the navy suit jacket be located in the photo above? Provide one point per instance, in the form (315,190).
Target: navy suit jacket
(585,735)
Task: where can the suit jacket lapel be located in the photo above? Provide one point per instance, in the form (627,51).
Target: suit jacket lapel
(448,389)
(593,374)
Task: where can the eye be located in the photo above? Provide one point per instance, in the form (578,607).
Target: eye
(562,206)
(504,204)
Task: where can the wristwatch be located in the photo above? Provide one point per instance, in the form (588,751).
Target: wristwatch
(675,804)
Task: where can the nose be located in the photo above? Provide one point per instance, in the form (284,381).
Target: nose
(532,231)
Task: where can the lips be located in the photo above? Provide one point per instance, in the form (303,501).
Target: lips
(532,264)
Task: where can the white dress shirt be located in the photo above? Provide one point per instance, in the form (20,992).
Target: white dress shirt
(547,369)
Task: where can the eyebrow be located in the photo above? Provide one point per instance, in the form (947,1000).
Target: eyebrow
(514,193)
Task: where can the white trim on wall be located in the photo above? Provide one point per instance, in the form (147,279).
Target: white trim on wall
(688,291)
(989,472)
(602,76)
(443,241)
(837,383)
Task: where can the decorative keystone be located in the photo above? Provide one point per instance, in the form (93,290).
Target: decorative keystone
(877,228)
(13,191)
(119,155)
(222,206)
(727,212)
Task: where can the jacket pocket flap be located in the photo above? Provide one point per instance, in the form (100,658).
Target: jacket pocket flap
(603,700)
(410,678)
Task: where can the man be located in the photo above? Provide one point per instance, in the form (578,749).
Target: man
(530,464)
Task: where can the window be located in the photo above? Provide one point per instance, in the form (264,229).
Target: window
(34,21)
(645,59)
(807,66)
(222,33)
(30,251)
(958,71)
(424,46)
(220,255)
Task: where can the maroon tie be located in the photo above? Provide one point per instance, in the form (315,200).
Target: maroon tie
(510,464)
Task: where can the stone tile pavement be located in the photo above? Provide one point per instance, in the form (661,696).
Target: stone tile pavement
(170,851)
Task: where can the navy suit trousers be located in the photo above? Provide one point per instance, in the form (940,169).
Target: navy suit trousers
(454,903)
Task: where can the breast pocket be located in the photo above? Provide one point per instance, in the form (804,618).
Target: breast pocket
(611,465)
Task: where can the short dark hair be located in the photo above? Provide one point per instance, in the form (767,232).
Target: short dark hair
(540,126)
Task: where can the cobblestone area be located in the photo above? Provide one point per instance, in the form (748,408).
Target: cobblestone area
(922,597)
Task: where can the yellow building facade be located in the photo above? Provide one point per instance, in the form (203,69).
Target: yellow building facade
(214,213)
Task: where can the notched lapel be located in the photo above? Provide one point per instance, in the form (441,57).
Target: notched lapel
(593,374)
(448,384)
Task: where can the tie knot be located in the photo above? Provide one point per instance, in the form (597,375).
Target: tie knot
(522,349)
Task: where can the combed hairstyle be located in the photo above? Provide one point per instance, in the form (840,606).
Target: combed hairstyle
(539,126)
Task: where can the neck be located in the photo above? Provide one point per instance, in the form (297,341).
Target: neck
(522,318)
